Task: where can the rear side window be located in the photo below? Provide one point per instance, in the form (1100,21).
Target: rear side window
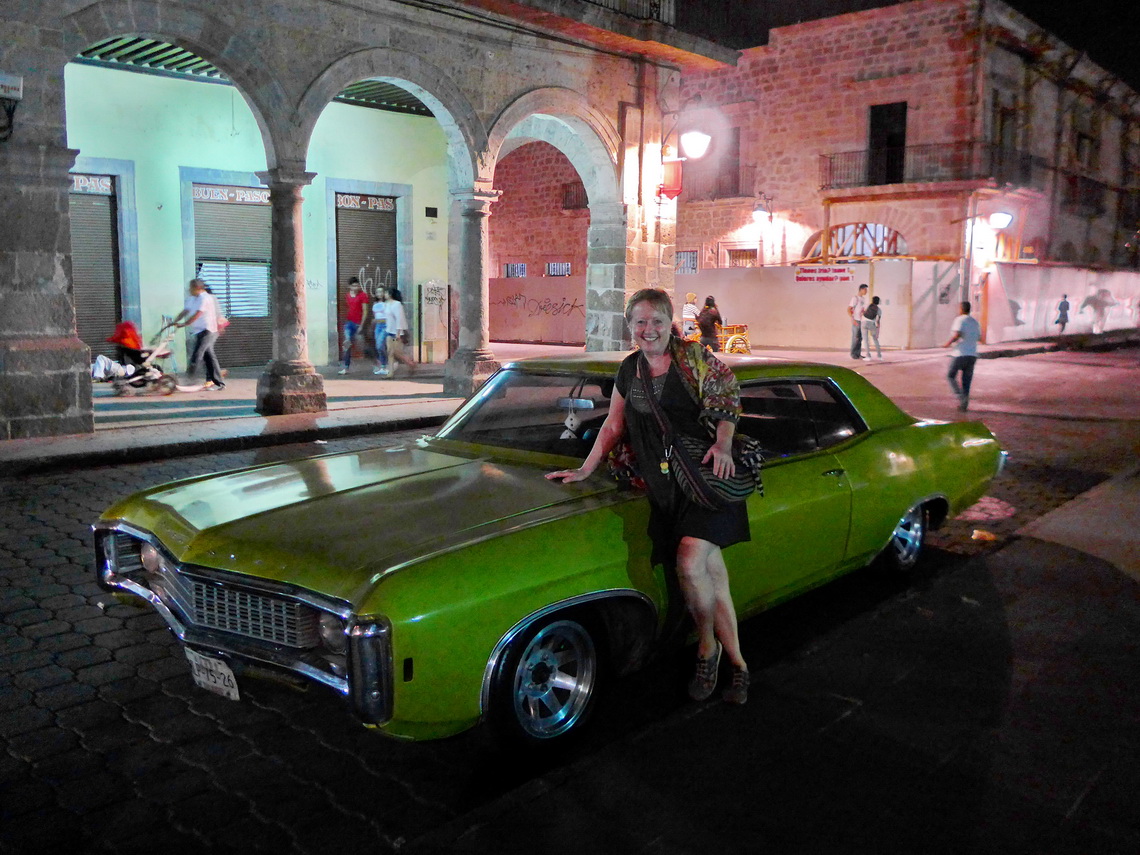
(796,417)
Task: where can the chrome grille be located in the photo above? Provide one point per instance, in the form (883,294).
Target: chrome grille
(253,614)
(220,606)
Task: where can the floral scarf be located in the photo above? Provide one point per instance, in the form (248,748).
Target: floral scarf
(715,390)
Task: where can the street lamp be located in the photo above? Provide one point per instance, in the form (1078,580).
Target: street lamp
(694,144)
(997,221)
(763,207)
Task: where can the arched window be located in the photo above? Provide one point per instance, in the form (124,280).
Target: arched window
(858,240)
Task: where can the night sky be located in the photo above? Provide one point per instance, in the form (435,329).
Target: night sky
(1108,32)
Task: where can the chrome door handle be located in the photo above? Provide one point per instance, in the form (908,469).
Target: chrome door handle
(836,472)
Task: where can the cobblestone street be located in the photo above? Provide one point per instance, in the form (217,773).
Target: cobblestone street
(106,741)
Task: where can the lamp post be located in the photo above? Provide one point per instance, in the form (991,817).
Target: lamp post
(694,143)
(998,220)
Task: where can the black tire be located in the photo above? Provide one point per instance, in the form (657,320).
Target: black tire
(166,385)
(546,685)
(904,549)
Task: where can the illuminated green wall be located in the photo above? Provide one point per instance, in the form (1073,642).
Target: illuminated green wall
(162,124)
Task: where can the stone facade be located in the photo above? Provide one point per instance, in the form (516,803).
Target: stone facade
(530,223)
(998,115)
(493,84)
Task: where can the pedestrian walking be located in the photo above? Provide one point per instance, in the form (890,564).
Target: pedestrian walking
(396,321)
(201,313)
(1063,313)
(965,333)
(855,311)
(356,305)
(708,319)
(869,328)
(380,332)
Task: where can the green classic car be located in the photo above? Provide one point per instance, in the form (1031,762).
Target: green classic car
(447,582)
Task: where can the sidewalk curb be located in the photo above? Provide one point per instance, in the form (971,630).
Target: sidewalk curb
(142,452)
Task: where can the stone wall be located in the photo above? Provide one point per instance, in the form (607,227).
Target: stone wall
(528,222)
(808,93)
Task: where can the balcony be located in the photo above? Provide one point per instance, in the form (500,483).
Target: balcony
(634,27)
(662,11)
(729,182)
(926,164)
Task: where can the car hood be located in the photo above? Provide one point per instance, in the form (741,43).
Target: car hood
(335,524)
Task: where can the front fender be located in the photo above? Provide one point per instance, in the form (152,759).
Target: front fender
(452,615)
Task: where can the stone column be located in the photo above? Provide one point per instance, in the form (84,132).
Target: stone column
(45,370)
(290,384)
(473,362)
(616,266)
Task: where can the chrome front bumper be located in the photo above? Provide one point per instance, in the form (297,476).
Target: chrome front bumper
(368,679)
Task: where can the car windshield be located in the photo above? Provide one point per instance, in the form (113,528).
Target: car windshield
(545,412)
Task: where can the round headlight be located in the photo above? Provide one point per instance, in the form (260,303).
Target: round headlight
(151,557)
(332,632)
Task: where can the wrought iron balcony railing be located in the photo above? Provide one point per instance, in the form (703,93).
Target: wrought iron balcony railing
(648,10)
(702,184)
(960,161)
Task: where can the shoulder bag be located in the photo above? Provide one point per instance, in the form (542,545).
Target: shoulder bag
(683,456)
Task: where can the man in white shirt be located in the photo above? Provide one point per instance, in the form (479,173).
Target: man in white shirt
(855,312)
(965,333)
(201,314)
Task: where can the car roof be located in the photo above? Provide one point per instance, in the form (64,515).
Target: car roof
(745,367)
(877,410)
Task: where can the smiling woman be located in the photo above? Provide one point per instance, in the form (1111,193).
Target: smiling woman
(699,400)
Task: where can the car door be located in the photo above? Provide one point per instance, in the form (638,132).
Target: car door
(800,525)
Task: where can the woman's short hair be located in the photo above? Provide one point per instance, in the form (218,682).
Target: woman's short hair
(655,297)
(709,301)
(690,297)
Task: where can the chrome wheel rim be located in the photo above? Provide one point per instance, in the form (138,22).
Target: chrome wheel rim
(554,679)
(906,540)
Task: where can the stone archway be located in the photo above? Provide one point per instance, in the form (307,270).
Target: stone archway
(564,119)
(205,35)
(462,128)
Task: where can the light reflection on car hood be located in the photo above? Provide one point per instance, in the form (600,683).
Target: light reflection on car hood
(331,523)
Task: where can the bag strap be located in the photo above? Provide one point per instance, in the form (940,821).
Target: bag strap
(675,453)
(643,374)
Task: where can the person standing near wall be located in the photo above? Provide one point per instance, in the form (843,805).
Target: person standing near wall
(855,311)
(689,316)
(1063,313)
(965,332)
(869,327)
(201,313)
(707,321)
(356,305)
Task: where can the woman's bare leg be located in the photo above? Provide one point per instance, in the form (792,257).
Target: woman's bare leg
(697,587)
(724,612)
(704,582)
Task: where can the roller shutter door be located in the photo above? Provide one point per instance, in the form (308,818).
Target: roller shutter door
(232,251)
(95,270)
(365,247)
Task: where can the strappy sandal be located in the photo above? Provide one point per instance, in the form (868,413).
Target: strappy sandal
(704,680)
(737,693)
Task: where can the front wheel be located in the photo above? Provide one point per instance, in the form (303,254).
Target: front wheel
(546,687)
(905,546)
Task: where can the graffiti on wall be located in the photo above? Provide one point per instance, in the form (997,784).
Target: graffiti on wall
(548,309)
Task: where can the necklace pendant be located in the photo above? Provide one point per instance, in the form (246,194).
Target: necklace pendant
(664,467)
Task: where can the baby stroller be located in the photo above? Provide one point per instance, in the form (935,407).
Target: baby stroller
(148,377)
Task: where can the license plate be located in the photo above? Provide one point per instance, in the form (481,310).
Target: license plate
(212,674)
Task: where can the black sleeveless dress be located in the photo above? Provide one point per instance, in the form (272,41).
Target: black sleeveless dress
(672,515)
